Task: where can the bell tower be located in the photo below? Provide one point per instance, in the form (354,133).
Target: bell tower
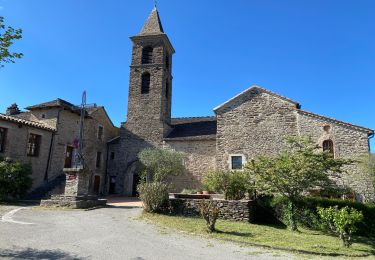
(150,87)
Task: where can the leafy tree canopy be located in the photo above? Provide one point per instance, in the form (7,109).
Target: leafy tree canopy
(7,37)
(161,163)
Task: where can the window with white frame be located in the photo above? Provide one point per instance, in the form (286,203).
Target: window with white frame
(33,145)
(236,161)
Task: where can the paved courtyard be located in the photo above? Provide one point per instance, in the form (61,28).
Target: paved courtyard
(106,233)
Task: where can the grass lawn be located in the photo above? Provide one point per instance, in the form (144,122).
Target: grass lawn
(304,241)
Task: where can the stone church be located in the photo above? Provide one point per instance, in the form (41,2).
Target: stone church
(252,123)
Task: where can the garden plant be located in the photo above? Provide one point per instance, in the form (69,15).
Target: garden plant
(300,167)
(15,179)
(158,165)
(341,221)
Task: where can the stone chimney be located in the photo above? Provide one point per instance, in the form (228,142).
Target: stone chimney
(13,110)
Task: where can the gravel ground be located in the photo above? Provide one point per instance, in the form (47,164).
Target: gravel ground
(108,233)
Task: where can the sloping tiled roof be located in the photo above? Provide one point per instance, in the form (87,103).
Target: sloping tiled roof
(338,122)
(24,115)
(115,140)
(26,122)
(54,103)
(193,130)
(181,120)
(256,88)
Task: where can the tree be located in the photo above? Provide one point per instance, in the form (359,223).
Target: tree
(160,163)
(210,213)
(297,169)
(7,37)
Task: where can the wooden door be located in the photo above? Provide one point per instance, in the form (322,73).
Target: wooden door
(96,184)
(68,157)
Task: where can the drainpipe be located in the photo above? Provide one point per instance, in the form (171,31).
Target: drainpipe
(106,190)
(51,147)
(49,156)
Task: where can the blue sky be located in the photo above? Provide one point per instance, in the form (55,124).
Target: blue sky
(318,52)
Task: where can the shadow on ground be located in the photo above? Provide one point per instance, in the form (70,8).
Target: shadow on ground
(33,254)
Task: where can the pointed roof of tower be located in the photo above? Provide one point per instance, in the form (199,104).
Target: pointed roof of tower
(153,24)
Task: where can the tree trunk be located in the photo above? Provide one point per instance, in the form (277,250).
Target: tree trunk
(292,217)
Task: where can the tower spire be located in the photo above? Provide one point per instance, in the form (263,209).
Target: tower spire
(153,24)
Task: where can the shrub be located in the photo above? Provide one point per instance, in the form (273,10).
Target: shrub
(341,221)
(273,209)
(154,195)
(233,184)
(210,213)
(15,179)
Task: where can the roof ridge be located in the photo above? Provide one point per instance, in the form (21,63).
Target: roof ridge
(340,122)
(261,89)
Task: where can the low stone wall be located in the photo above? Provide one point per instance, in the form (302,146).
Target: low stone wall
(73,202)
(237,210)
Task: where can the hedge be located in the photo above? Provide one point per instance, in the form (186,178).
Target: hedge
(272,210)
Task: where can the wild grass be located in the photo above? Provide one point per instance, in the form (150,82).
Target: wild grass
(276,237)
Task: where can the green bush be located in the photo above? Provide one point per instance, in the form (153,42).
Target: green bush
(341,221)
(233,184)
(15,179)
(154,196)
(272,209)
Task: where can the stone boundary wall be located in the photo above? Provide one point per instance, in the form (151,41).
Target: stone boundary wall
(237,210)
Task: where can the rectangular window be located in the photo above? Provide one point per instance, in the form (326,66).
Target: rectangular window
(33,145)
(98,159)
(3,132)
(112,156)
(100,132)
(236,162)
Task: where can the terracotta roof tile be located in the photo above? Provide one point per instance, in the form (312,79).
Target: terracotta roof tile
(26,122)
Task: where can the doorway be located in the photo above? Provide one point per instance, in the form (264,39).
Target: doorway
(68,157)
(112,184)
(136,181)
(96,184)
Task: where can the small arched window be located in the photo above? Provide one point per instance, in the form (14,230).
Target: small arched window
(147,55)
(167,89)
(167,61)
(328,146)
(146,80)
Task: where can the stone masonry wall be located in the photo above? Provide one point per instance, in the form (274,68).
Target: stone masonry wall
(237,210)
(149,114)
(16,148)
(93,145)
(348,143)
(201,157)
(67,124)
(256,124)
